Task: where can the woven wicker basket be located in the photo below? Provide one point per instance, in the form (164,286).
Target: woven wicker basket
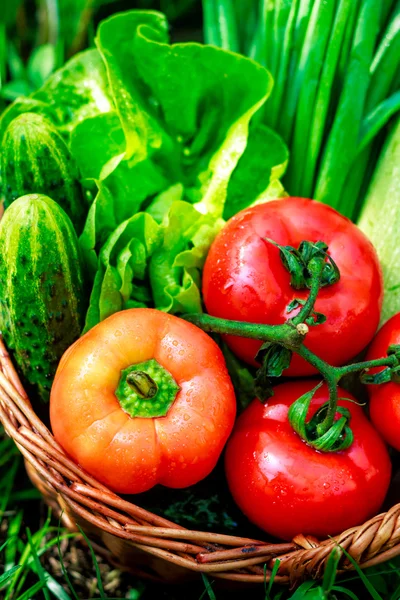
(152,547)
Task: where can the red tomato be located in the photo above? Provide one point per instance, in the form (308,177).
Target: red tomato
(286,487)
(384,403)
(244,278)
(132,454)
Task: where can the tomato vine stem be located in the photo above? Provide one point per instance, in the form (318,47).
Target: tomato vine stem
(328,430)
(288,334)
(315,267)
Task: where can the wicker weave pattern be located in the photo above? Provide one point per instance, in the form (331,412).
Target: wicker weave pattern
(149,545)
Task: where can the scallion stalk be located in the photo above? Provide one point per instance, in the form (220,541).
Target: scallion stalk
(312,62)
(323,101)
(341,146)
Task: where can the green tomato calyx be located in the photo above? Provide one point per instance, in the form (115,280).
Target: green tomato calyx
(146,390)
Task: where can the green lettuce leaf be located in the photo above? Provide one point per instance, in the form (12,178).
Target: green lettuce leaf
(78,90)
(144,263)
(129,183)
(263,161)
(161,204)
(175,267)
(120,280)
(186,107)
(99,225)
(97,159)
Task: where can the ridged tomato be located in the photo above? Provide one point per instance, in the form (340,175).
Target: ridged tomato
(143,398)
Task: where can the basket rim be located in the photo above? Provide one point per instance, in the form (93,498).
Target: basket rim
(224,556)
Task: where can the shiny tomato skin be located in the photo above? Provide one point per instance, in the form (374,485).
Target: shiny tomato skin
(244,278)
(384,405)
(131,455)
(286,487)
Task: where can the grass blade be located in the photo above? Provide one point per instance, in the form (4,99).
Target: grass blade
(209,590)
(341,146)
(374,594)
(396,594)
(5,544)
(26,557)
(274,571)
(6,484)
(302,590)
(32,591)
(95,563)
(62,565)
(7,575)
(14,528)
(345,591)
(51,585)
(331,570)
(25,495)
(38,567)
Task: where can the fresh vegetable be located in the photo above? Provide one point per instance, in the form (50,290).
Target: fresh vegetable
(384,405)
(286,487)
(35,159)
(380,219)
(143,398)
(245,279)
(42,288)
(335,65)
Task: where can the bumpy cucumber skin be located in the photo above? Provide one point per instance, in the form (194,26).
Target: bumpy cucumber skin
(42,300)
(35,159)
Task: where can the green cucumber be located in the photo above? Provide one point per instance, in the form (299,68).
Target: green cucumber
(35,159)
(42,300)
